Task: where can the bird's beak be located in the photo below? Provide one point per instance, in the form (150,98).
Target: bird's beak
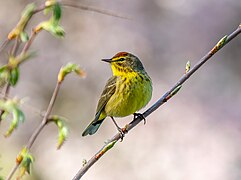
(107,60)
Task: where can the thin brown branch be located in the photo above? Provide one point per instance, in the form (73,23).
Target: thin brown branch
(29,42)
(3,45)
(93,9)
(39,128)
(15,47)
(161,101)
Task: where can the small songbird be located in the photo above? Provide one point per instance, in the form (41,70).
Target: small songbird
(126,92)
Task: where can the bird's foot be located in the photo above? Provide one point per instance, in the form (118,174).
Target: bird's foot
(122,133)
(141,116)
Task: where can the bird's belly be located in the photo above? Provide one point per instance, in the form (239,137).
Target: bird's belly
(128,99)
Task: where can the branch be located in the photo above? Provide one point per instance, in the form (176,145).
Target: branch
(65,70)
(29,43)
(39,128)
(7,86)
(169,94)
(93,9)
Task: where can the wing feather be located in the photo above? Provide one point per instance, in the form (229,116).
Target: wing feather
(108,91)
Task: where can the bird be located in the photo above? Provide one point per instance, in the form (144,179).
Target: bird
(125,93)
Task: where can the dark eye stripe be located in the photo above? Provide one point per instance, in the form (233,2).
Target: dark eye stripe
(118,60)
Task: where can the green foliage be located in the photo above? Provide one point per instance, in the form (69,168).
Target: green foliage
(9,73)
(11,106)
(25,159)
(18,30)
(62,128)
(53,24)
(14,74)
(68,68)
(4,75)
(24,36)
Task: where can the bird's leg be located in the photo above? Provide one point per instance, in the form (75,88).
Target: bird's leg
(118,128)
(141,116)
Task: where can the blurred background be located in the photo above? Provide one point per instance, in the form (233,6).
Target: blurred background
(195,136)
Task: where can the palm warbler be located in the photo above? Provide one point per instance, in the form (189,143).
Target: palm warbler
(127,91)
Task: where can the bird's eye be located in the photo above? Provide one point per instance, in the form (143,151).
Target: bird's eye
(121,59)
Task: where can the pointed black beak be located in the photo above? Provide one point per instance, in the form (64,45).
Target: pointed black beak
(107,60)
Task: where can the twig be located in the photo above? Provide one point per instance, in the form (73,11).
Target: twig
(7,85)
(161,101)
(5,43)
(39,128)
(15,47)
(29,43)
(94,9)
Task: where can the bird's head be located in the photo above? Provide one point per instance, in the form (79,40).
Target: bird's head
(124,62)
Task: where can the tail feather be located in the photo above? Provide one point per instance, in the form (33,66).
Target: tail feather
(92,128)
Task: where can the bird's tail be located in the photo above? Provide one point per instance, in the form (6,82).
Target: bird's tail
(93,127)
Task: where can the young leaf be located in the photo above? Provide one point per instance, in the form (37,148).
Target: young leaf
(24,36)
(70,67)
(4,75)
(25,159)
(14,75)
(18,117)
(26,15)
(62,128)
(57,12)
(50,27)
(11,106)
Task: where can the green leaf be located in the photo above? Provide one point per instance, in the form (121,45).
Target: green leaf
(11,106)
(19,28)
(57,12)
(3,68)
(62,128)
(14,75)
(52,28)
(19,115)
(52,25)
(28,11)
(70,67)
(24,36)
(4,75)
(58,31)
(25,160)
(63,134)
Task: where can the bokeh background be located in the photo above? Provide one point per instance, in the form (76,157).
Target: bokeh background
(195,136)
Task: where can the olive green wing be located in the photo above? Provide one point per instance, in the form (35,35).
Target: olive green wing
(108,91)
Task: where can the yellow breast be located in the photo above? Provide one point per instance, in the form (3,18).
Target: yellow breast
(133,92)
